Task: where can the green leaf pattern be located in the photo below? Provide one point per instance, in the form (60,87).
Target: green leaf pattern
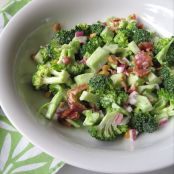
(17,155)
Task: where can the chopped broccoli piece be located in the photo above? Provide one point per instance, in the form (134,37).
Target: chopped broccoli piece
(83,27)
(97,28)
(76,69)
(43,77)
(99,84)
(165,56)
(153,79)
(113,96)
(141,35)
(89,97)
(160,44)
(118,78)
(144,122)
(123,37)
(54,103)
(132,25)
(53,49)
(107,130)
(83,78)
(112,48)
(168,78)
(64,36)
(133,47)
(97,59)
(134,80)
(91,45)
(42,56)
(164,107)
(143,104)
(148,88)
(107,35)
(91,118)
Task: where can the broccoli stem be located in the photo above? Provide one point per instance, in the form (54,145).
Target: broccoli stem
(54,103)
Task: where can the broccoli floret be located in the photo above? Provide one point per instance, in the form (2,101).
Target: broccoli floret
(168,78)
(58,67)
(64,36)
(76,69)
(83,27)
(170,55)
(53,49)
(164,107)
(123,37)
(160,44)
(144,122)
(132,26)
(91,118)
(99,84)
(91,45)
(97,28)
(141,35)
(113,96)
(42,55)
(165,56)
(107,130)
(43,76)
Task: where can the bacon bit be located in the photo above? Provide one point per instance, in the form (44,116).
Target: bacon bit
(140,25)
(56,27)
(133,17)
(47,94)
(104,72)
(105,67)
(33,56)
(127,135)
(146,46)
(92,35)
(142,63)
(112,59)
(73,99)
(66,60)
(116,19)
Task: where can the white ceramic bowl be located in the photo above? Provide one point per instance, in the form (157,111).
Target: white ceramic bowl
(25,33)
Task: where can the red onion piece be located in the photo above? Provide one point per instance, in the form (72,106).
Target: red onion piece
(163,121)
(121,68)
(79,33)
(118,119)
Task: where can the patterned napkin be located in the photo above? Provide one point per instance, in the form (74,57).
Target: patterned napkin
(17,155)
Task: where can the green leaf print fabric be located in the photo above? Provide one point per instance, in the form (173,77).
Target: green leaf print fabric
(17,155)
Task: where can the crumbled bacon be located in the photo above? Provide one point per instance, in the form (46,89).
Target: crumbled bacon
(142,63)
(146,46)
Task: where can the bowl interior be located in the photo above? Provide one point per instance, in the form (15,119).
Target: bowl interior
(35,30)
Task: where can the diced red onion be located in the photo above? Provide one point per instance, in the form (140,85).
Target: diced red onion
(133,98)
(121,68)
(133,134)
(163,121)
(82,39)
(79,33)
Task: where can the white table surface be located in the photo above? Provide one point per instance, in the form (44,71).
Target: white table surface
(67,169)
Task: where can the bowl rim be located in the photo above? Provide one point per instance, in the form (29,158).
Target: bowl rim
(61,151)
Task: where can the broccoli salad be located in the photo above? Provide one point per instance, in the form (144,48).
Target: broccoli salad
(116,78)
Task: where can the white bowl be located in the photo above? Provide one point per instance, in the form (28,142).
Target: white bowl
(24,34)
